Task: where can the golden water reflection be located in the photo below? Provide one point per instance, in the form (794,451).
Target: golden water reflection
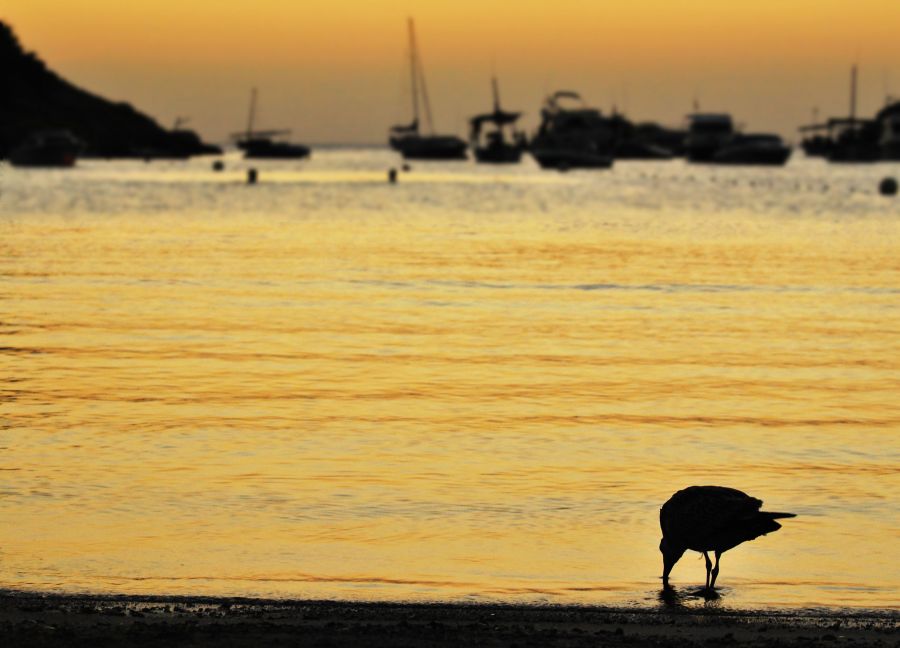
(410,396)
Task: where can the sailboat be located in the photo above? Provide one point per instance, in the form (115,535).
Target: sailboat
(497,147)
(845,139)
(260,144)
(854,139)
(406,138)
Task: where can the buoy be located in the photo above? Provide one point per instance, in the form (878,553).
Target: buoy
(888,187)
(252,176)
(392,175)
(218,165)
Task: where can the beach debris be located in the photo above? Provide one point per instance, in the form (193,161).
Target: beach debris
(888,187)
(218,165)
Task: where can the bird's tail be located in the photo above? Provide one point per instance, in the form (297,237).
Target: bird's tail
(774,516)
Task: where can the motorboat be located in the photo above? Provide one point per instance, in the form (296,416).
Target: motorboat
(761,149)
(573,135)
(56,148)
(889,119)
(854,140)
(494,137)
(643,141)
(707,134)
(712,138)
(816,140)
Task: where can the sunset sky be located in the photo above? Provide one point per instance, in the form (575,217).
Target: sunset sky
(335,70)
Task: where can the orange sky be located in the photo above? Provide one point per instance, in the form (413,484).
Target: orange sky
(334,70)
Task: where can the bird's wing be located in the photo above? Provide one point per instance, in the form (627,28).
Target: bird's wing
(701,512)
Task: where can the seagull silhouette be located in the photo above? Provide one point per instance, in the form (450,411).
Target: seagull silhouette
(710,518)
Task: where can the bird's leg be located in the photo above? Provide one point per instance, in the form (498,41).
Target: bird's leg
(708,567)
(715,570)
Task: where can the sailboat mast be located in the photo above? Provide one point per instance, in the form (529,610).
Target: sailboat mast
(252,115)
(413,73)
(419,71)
(853,73)
(496,94)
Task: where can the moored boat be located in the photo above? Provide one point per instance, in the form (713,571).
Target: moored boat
(262,144)
(816,140)
(57,148)
(889,119)
(573,137)
(502,144)
(707,134)
(406,139)
(263,147)
(853,139)
(761,149)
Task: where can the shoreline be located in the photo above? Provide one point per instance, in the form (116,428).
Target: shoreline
(49,620)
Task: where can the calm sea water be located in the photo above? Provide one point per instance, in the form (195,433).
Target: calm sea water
(479,384)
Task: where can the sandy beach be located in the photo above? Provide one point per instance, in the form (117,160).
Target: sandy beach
(60,620)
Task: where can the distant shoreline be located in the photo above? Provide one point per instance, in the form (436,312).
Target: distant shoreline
(33,619)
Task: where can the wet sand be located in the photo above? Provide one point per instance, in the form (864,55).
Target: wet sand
(55,620)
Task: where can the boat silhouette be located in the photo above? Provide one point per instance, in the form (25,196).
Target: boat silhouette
(707,133)
(856,139)
(573,137)
(50,148)
(712,138)
(755,148)
(503,143)
(646,141)
(889,119)
(816,139)
(261,145)
(663,137)
(407,139)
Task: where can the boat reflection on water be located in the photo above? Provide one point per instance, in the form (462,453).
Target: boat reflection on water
(503,144)
(407,139)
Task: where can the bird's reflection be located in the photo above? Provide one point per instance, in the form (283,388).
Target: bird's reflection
(673,598)
(670,597)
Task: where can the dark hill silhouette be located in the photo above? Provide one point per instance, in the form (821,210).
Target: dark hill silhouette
(34,98)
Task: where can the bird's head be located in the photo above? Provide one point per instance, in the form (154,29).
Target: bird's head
(671,554)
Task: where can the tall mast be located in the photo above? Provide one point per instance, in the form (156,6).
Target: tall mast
(853,93)
(419,70)
(413,73)
(496,94)
(252,116)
